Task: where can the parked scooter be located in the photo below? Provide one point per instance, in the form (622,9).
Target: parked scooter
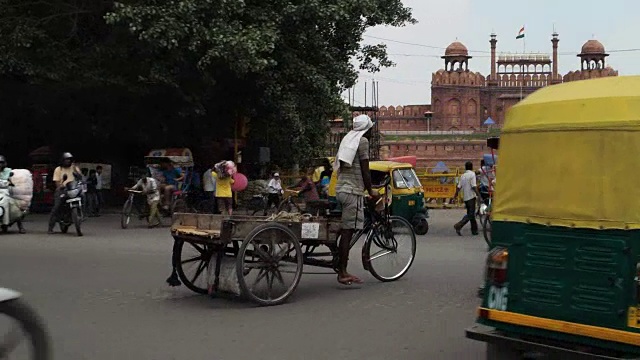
(70,213)
(25,322)
(15,200)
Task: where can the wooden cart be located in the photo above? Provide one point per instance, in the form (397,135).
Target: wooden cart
(262,259)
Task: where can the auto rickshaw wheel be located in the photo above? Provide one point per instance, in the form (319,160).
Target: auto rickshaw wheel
(420,226)
(502,352)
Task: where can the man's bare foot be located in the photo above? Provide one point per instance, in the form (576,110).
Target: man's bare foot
(348,279)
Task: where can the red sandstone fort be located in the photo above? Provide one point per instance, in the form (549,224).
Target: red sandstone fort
(451,128)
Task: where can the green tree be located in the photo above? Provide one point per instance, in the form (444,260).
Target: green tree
(282,62)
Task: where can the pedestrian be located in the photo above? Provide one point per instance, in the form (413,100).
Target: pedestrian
(223,193)
(470,192)
(274,190)
(99,189)
(484,177)
(92,193)
(209,187)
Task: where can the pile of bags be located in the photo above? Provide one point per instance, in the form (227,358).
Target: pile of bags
(255,187)
(225,169)
(22,192)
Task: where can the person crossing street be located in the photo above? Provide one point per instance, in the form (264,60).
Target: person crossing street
(470,193)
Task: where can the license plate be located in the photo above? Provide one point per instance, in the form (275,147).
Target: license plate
(412,202)
(78,200)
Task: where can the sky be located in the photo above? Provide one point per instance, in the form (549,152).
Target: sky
(615,23)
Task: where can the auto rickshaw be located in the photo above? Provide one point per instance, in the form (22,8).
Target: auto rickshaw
(407,200)
(563,273)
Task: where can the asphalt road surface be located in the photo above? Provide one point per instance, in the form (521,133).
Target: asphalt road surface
(104,296)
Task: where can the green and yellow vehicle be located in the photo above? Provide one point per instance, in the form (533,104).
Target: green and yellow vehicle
(563,272)
(407,200)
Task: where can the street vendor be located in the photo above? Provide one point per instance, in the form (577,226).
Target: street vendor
(172,176)
(354,177)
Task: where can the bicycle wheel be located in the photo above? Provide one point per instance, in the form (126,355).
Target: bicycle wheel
(487,229)
(125,217)
(179,205)
(25,325)
(289,206)
(389,253)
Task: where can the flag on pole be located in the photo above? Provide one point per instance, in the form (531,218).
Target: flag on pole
(520,34)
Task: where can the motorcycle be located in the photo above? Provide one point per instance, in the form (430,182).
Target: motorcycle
(15,201)
(71,212)
(25,322)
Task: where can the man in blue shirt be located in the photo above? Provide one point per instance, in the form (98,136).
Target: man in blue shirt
(172,176)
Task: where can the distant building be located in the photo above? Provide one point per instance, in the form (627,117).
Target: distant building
(462,100)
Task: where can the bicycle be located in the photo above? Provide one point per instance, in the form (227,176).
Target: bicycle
(484,215)
(135,205)
(385,232)
(288,204)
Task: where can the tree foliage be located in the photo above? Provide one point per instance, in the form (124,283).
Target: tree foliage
(282,63)
(292,58)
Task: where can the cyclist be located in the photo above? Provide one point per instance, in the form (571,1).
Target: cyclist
(309,192)
(352,164)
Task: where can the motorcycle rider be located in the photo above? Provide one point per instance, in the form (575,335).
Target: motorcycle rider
(5,174)
(68,168)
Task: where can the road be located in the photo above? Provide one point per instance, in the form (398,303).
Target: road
(104,297)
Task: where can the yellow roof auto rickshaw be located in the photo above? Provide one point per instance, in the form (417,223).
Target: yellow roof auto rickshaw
(407,200)
(563,274)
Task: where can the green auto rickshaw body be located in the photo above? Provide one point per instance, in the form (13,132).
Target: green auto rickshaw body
(562,275)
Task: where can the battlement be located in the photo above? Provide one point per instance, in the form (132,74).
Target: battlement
(524,59)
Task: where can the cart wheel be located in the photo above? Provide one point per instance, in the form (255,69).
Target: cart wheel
(191,261)
(269,264)
(487,229)
(389,256)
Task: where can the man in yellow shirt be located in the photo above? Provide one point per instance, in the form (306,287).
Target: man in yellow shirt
(69,169)
(224,194)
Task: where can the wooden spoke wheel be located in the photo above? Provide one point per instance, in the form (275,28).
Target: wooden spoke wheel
(269,264)
(191,262)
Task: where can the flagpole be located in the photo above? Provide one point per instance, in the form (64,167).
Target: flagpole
(524,50)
